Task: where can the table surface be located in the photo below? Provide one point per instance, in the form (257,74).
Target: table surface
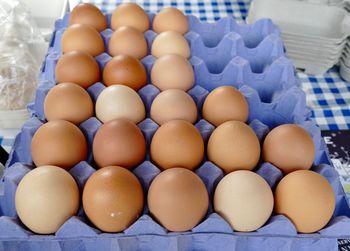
(327,95)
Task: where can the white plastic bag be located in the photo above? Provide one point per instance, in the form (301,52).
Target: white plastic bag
(19,68)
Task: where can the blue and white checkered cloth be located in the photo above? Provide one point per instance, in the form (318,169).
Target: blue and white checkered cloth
(327,95)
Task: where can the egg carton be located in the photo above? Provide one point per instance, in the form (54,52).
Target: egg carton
(147,234)
(233,54)
(273,97)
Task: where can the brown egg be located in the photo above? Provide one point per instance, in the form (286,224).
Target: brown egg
(128,41)
(173,104)
(59,143)
(289,147)
(46,198)
(77,67)
(170,42)
(177,143)
(234,146)
(223,104)
(172,72)
(85,13)
(125,70)
(113,198)
(119,143)
(178,199)
(130,14)
(307,199)
(68,101)
(170,19)
(82,37)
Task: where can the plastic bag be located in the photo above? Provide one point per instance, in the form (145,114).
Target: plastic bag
(18,65)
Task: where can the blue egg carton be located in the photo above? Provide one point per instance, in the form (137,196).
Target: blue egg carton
(256,64)
(223,53)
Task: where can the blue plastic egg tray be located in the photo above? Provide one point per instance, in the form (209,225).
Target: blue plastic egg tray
(249,57)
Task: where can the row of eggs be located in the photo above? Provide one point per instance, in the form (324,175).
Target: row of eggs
(177,198)
(132,15)
(168,72)
(174,110)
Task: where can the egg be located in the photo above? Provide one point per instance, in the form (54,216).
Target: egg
(59,143)
(113,198)
(306,198)
(289,147)
(75,38)
(178,199)
(130,14)
(173,104)
(170,19)
(85,13)
(128,41)
(77,67)
(68,101)
(46,197)
(172,72)
(119,101)
(170,42)
(244,200)
(234,146)
(177,143)
(223,104)
(125,70)
(119,142)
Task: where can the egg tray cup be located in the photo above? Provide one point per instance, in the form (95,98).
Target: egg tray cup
(273,97)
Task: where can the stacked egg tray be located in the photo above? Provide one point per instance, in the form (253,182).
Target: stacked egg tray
(249,57)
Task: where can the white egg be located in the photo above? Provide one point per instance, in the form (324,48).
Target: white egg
(119,101)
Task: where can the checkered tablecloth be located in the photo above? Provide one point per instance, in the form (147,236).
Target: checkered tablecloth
(328,95)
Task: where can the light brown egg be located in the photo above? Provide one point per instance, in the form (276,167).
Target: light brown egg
(170,42)
(82,37)
(307,199)
(119,101)
(178,199)
(113,198)
(46,198)
(130,14)
(119,143)
(86,13)
(244,200)
(234,146)
(125,70)
(77,67)
(289,147)
(59,143)
(170,19)
(128,41)
(177,143)
(223,104)
(68,101)
(173,104)
(172,72)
